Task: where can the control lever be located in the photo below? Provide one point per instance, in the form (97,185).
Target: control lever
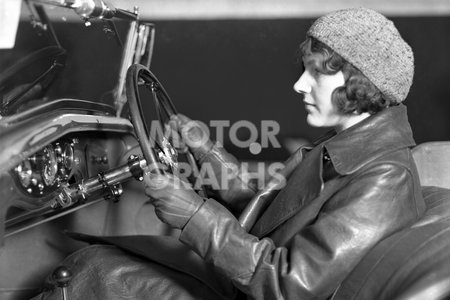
(62,276)
(105,181)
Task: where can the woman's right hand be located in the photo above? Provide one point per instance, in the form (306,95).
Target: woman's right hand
(194,135)
(229,182)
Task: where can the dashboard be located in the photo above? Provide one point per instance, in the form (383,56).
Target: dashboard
(62,161)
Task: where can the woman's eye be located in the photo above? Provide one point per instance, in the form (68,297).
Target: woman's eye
(317,72)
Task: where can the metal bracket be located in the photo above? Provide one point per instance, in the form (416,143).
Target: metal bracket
(114,191)
(135,167)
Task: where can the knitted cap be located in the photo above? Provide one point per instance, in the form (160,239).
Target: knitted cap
(372,44)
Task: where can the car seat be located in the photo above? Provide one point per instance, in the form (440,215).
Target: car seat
(415,262)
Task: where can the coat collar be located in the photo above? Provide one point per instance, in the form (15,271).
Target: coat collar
(379,134)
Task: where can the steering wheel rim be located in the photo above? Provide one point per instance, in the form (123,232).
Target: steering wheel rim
(163,104)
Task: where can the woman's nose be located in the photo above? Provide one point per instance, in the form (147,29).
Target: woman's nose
(302,86)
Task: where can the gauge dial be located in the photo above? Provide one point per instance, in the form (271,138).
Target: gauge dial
(50,165)
(68,156)
(24,171)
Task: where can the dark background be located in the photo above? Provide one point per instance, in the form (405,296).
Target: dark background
(240,70)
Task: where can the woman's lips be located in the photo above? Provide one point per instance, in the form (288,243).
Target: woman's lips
(309,106)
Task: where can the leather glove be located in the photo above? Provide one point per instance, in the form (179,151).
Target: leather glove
(174,200)
(237,187)
(193,135)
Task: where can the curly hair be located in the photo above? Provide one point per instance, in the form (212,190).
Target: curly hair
(358,94)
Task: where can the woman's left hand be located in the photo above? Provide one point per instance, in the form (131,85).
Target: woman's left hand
(175,201)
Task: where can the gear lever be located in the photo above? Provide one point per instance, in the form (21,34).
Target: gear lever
(62,276)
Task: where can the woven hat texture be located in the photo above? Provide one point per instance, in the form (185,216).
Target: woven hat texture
(371,43)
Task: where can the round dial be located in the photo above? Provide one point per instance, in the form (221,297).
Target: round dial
(50,165)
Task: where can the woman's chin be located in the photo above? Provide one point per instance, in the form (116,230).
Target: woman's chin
(313,122)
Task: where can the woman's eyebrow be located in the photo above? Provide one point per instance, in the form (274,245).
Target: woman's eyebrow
(311,62)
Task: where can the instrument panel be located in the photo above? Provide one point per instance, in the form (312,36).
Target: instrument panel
(45,171)
(65,175)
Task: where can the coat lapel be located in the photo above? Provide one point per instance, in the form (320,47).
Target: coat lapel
(303,185)
(303,217)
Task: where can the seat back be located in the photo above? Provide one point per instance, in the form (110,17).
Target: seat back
(415,262)
(433,163)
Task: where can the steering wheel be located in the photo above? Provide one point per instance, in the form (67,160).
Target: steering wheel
(159,153)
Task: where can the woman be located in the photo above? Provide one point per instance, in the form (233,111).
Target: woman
(356,186)
(349,192)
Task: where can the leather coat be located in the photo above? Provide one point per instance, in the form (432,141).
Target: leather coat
(350,191)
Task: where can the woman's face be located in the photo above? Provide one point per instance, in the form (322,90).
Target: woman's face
(317,88)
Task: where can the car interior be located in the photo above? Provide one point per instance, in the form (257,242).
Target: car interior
(74,165)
